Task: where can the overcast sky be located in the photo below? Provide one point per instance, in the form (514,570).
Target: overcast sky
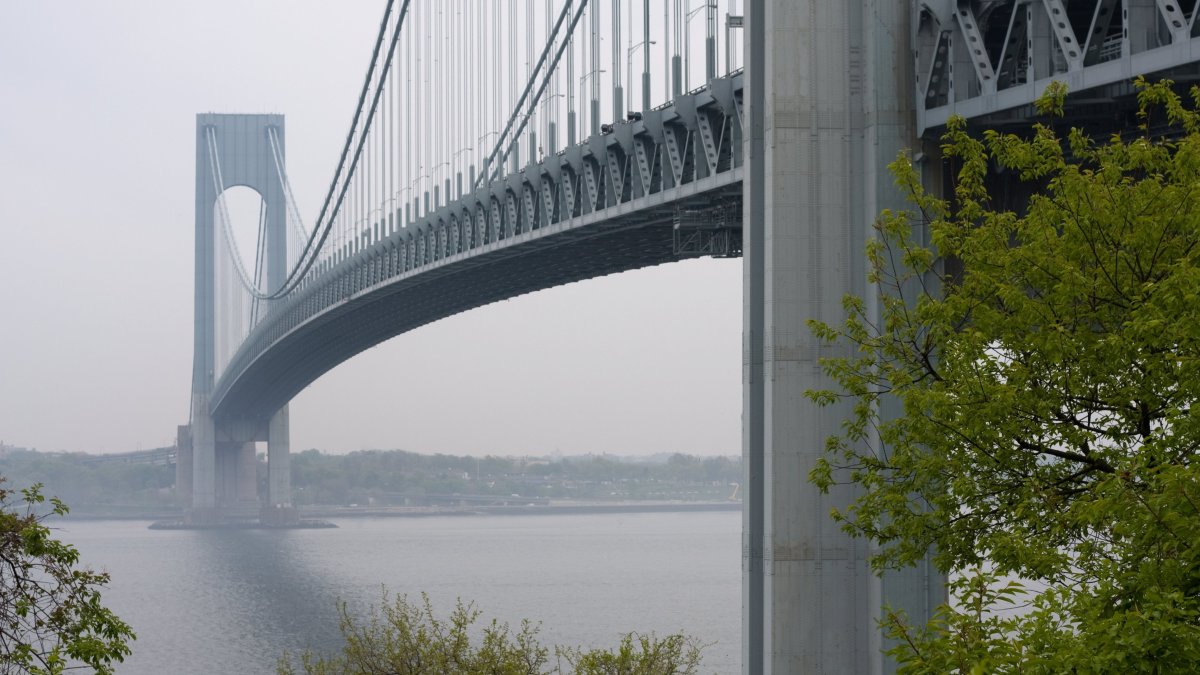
(97,130)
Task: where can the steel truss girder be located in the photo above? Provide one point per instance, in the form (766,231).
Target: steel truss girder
(979,57)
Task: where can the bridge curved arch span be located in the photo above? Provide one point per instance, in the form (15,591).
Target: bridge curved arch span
(645,193)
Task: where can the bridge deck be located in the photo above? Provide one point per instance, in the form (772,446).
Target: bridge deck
(608,205)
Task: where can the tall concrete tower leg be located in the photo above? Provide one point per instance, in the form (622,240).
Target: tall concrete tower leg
(227,476)
(828,99)
(244,146)
(204,462)
(183,465)
(247,476)
(278,508)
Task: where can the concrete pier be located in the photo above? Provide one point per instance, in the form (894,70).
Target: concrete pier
(183,464)
(278,507)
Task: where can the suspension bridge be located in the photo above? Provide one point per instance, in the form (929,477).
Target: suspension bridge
(506,146)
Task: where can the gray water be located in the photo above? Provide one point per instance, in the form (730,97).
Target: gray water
(233,601)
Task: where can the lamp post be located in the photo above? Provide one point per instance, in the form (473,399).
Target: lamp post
(404,200)
(458,173)
(417,196)
(645,75)
(595,104)
(551,145)
(487,156)
(373,225)
(437,203)
(687,45)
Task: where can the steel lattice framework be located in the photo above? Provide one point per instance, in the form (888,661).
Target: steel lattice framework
(981,58)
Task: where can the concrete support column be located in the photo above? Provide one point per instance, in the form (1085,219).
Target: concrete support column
(183,465)
(279,476)
(889,128)
(247,475)
(204,457)
(227,474)
(828,105)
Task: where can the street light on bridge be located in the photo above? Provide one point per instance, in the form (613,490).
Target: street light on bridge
(417,196)
(595,102)
(436,184)
(645,71)
(458,172)
(710,60)
(487,157)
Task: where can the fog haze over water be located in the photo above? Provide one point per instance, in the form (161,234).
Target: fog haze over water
(232,601)
(97,161)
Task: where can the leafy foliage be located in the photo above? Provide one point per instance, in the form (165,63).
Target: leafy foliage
(51,619)
(403,638)
(1048,368)
(638,655)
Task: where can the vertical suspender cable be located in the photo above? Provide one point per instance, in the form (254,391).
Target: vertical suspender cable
(517,108)
(676,60)
(667,79)
(571,124)
(594,74)
(411,102)
(618,90)
(298,272)
(551,142)
(545,80)
(710,41)
(532,133)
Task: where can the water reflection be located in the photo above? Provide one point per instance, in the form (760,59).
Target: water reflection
(233,601)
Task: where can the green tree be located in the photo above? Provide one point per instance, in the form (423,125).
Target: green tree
(638,655)
(51,619)
(403,638)
(1047,369)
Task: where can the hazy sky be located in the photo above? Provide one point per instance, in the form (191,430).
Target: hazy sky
(97,131)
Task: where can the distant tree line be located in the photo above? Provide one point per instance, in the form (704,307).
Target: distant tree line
(387,477)
(391,477)
(91,486)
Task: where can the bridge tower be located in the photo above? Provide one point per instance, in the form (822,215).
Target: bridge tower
(829,104)
(222,473)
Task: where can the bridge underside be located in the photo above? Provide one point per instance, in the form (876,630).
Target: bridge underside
(642,235)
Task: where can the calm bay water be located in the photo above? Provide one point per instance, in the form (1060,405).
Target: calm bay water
(233,601)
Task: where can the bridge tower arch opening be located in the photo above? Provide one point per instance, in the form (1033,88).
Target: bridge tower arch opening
(247,214)
(238,157)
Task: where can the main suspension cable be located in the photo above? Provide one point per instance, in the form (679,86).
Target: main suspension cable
(320,233)
(497,169)
(529,85)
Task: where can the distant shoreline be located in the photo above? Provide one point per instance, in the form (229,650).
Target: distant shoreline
(555,508)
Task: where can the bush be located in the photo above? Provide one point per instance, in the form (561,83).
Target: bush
(403,638)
